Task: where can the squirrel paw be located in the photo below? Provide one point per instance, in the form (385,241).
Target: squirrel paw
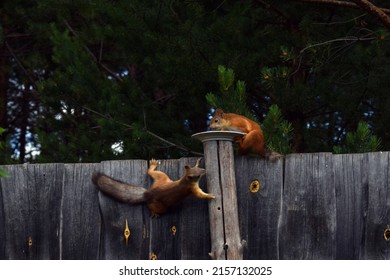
(154,162)
(154,215)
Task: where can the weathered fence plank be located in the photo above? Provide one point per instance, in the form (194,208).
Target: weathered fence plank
(216,221)
(2,226)
(308,223)
(80,224)
(259,210)
(114,214)
(32,204)
(194,229)
(351,204)
(234,243)
(309,206)
(164,245)
(378,215)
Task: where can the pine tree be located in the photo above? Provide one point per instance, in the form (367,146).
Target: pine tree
(233,96)
(360,141)
(96,80)
(278,131)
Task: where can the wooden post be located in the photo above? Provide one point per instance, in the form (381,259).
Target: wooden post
(226,243)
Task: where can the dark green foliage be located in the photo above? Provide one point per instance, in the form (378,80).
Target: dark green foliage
(277,131)
(80,77)
(232,96)
(360,141)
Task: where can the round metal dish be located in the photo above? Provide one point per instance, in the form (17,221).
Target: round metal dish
(217,135)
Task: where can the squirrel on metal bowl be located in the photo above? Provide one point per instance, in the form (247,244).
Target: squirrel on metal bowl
(253,140)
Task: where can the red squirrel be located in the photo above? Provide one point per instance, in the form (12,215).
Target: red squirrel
(252,142)
(163,193)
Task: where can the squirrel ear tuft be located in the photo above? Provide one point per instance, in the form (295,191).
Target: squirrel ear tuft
(219,112)
(197,162)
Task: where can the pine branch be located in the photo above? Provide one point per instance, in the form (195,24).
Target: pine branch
(98,61)
(340,3)
(349,40)
(374,10)
(345,39)
(380,13)
(171,144)
(19,63)
(24,70)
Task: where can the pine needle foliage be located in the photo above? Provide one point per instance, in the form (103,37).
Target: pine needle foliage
(278,131)
(233,99)
(232,96)
(360,141)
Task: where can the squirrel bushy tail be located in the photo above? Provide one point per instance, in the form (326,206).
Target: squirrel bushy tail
(119,190)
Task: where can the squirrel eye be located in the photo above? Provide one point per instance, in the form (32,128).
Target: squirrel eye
(216,120)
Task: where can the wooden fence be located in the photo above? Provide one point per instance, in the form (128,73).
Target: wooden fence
(309,206)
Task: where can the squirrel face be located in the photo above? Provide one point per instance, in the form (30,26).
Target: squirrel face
(229,122)
(193,174)
(217,121)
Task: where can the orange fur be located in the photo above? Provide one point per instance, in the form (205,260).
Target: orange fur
(164,192)
(252,142)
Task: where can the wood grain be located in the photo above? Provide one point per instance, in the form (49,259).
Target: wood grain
(32,204)
(217,233)
(309,206)
(308,223)
(114,214)
(234,246)
(378,212)
(80,219)
(351,204)
(259,211)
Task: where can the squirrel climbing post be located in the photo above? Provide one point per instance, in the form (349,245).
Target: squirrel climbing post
(226,240)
